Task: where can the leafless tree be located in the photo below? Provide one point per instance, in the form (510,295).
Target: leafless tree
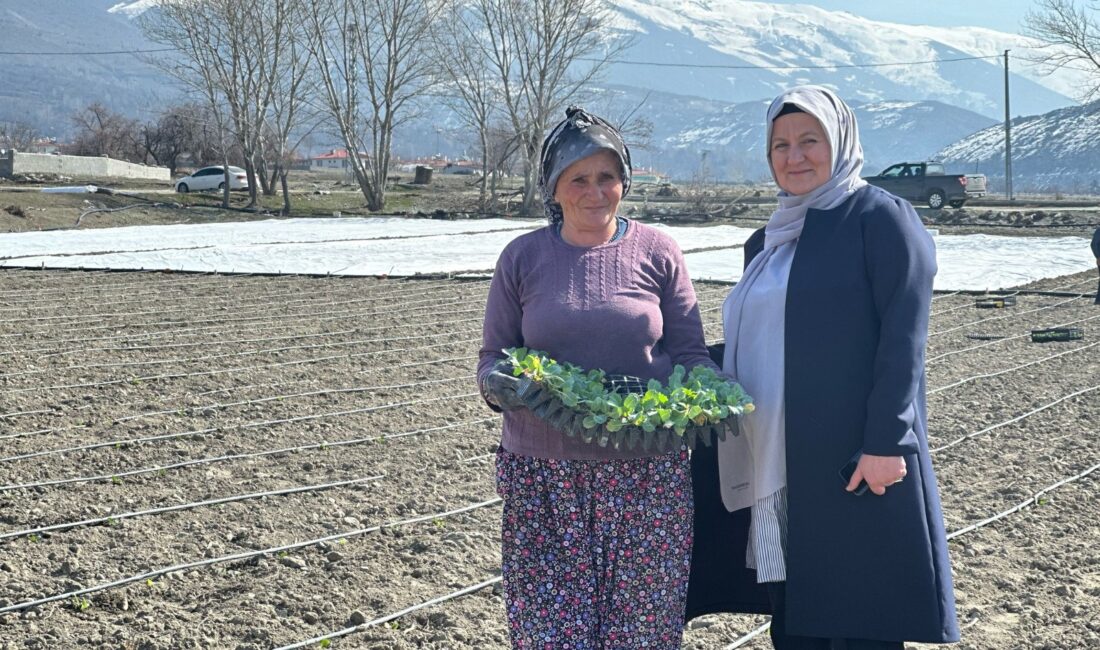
(231,52)
(17,135)
(372,63)
(471,90)
(182,130)
(541,53)
(291,115)
(102,132)
(1070,34)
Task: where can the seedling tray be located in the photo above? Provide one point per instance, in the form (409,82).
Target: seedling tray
(1057,334)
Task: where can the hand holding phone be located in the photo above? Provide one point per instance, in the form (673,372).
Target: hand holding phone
(848,470)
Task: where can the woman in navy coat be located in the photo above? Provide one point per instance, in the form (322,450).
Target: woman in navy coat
(827,331)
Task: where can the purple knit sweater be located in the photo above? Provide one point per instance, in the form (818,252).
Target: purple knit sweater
(627,307)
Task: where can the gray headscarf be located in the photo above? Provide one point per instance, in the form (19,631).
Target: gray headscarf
(752,466)
(578,136)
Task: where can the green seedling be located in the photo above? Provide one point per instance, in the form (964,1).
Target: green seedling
(112,522)
(439,523)
(117,480)
(149,582)
(698,398)
(394,625)
(282,554)
(341,541)
(325,643)
(33,538)
(80,604)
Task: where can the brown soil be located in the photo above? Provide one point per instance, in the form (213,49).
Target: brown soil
(110,381)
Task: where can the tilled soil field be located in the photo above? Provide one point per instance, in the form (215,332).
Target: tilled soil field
(257,462)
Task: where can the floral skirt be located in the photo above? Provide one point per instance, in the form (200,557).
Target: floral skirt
(596,554)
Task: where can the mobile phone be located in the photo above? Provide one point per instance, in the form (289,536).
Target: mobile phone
(848,470)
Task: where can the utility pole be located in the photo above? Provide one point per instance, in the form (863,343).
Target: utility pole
(1008,137)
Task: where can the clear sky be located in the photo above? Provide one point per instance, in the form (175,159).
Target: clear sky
(1002,15)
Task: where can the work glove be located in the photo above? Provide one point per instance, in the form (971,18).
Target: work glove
(500,388)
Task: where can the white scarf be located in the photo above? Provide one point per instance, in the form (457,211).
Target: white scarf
(753,464)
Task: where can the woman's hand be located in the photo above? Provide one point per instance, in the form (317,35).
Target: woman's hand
(879,472)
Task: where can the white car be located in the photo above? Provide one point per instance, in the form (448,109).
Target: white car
(212,178)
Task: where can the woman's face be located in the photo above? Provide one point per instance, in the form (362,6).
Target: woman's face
(799,153)
(589,192)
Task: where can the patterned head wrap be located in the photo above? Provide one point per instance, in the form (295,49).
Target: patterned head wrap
(578,136)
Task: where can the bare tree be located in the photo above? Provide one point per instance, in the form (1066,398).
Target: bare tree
(17,135)
(542,53)
(473,94)
(1070,34)
(231,52)
(182,130)
(290,112)
(372,62)
(102,132)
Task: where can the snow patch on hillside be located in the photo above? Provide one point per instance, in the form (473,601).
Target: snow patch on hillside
(133,9)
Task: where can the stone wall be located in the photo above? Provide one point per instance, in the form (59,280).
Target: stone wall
(83,167)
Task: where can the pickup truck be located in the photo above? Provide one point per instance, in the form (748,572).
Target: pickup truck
(926,182)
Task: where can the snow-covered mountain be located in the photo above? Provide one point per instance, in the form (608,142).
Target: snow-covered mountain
(732,135)
(47,89)
(906,112)
(762,40)
(1056,151)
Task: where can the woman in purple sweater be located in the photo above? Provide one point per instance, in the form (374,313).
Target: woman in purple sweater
(596,541)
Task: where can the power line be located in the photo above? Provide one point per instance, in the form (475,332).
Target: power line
(163,49)
(791,67)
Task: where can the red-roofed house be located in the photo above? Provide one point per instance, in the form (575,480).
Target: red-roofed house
(336,160)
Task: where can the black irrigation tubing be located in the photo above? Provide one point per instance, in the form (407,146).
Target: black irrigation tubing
(395,615)
(220,342)
(83,287)
(207,343)
(256,317)
(208,330)
(315,298)
(186,506)
(741,641)
(229,355)
(262,304)
(232,427)
(241,456)
(410,364)
(477,275)
(155,573)
(1007,338)
(993,427)
(223,371)
(1033,499)
(144,298)
(19,413)
(220,405)
(1012,369)
(1012,314)
(229,285)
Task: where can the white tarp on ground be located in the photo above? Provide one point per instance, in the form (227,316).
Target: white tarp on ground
(396,246)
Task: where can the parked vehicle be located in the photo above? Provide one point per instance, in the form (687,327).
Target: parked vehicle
(212,178)
(459,170)
(927,182)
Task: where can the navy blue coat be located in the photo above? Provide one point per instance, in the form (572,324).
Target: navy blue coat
(865,567)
